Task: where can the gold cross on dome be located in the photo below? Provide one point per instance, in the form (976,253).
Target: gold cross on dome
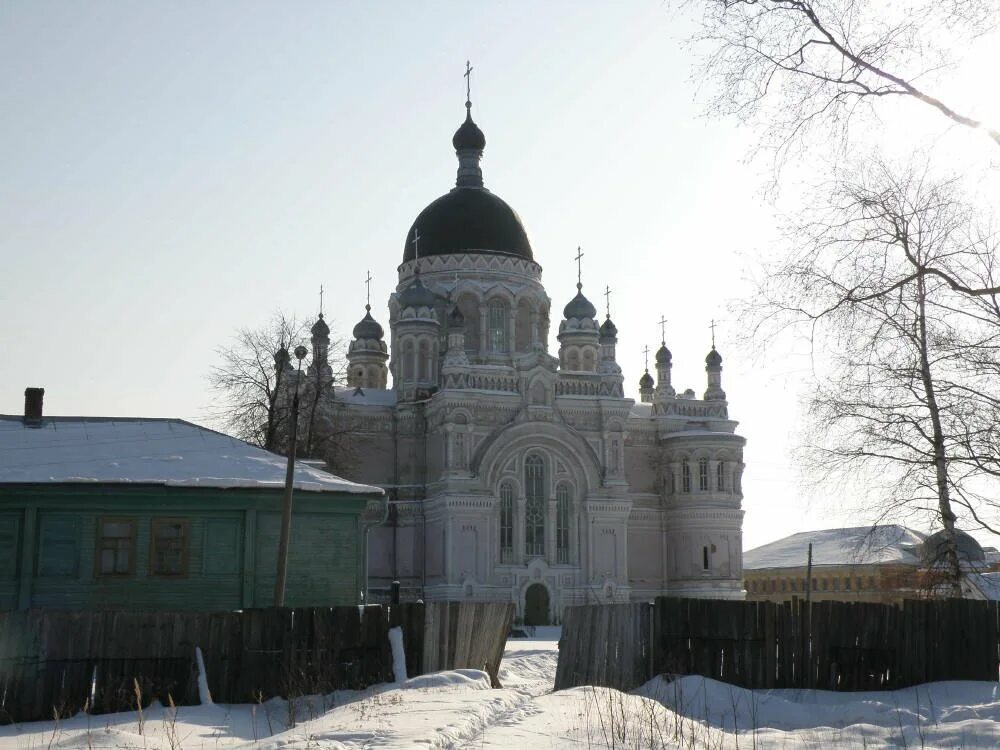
(607,300)
(663,329)
(579,255)
(468,82)
(712,326)
(321,300)
(646,353)
(368,288)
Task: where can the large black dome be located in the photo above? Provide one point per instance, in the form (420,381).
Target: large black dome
(468,220)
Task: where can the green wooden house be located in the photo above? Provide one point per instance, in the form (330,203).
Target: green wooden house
(99,513)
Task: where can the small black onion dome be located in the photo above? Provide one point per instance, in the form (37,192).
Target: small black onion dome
(646,381)
(663,355)
(320,328)
(456,319)
(714,359)
(608,329)
(368,327)
(282,356)
(468,135)
(579,307)
(417,295)
(934,549)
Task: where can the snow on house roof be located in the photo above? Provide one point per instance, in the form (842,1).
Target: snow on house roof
(862,545)
(988,584)
(131,450)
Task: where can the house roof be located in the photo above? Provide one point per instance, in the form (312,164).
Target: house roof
(862,545)
(130,450)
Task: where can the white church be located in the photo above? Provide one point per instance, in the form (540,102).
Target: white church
(518,474)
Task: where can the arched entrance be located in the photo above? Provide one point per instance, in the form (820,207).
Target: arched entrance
(536,605)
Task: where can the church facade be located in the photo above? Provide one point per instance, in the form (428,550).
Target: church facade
(516,473)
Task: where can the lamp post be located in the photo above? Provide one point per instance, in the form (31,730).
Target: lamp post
(286,511)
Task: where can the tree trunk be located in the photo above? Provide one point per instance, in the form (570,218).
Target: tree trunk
(940,460)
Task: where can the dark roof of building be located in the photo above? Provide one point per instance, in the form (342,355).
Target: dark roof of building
(468,220)
(646,381)
(714,359)
(663,355)
(935,549)
(608,329)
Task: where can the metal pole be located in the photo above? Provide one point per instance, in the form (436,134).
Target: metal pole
(809,574)
(286,511)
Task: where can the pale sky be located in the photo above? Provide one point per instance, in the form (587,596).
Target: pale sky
(171,172)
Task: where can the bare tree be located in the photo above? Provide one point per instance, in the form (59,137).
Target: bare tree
(904,359)
(253,382)
(802,65)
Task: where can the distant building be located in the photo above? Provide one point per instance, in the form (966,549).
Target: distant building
(163,514)
(516,473)
(883,564)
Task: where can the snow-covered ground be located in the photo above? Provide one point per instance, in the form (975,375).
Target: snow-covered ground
(459,710)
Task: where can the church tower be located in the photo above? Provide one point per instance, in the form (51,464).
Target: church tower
(579,335)
(367,355)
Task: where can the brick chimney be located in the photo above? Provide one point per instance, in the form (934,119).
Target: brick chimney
(33,406)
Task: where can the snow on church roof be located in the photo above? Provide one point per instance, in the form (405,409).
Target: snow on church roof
(861,545)
(131,450)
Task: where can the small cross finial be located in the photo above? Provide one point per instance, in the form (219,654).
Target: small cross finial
(663,330)
(468,85)
(579,267)
(646,353)
(712,326)
(321,300)
(368,290)
(416,244)
(607,300)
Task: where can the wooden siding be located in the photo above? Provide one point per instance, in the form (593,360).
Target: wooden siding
(48,548)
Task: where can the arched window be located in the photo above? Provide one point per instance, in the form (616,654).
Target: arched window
(685,476)
(720,476)
(703,474)
(496,328)
(506,522)
(460,450)
(424,362)
(534,509)
(562,523)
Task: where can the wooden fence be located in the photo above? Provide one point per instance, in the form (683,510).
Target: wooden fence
(830,645)
(63,661)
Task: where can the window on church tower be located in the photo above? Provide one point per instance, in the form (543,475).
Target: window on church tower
(720,476)
(534,509)
(506,522)
(703,474)
(496,329)
(685,476)
(562,523)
